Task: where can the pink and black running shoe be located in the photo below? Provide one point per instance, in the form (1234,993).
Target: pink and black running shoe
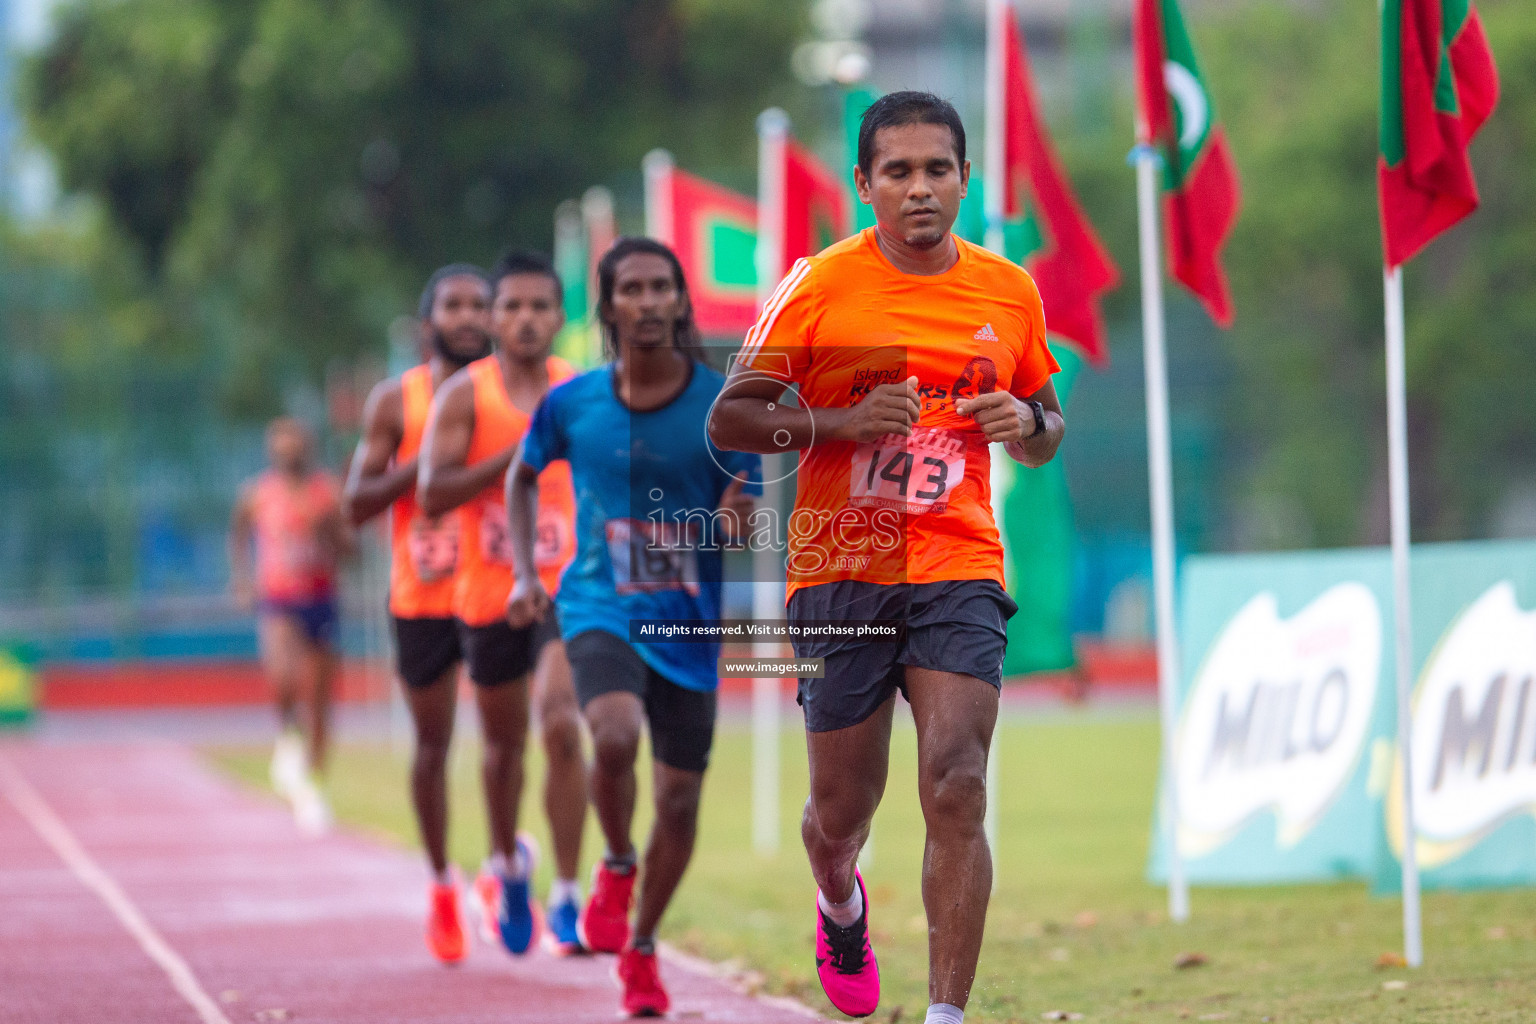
(845,963)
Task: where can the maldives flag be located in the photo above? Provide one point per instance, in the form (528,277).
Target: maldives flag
(1438,86)
(1199,178)
(1066,259)
(714,233)
(815,205)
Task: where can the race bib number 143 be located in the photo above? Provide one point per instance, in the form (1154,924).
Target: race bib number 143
(911,474)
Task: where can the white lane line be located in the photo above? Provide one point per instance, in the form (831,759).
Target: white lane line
(40,816)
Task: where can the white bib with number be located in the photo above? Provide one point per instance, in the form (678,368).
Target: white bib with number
(495,534)
(911,474)
(552,539)
(648,556)
(433,544)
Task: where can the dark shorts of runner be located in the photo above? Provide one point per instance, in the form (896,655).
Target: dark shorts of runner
(318,618)
(498,654)
(952,626)
(682,721)
(425,649)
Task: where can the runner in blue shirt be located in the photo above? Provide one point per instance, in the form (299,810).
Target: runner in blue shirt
(656,502)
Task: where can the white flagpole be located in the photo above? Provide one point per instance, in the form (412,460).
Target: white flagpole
(659,222)
(597,219)
(1160,471)
(995,154)
(994,172)
(1397,472)
(767,588)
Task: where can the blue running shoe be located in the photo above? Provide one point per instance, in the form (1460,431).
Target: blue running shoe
(560,936)
(517,914)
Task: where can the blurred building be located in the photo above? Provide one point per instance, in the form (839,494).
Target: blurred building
(940,46)
(7,97)
(28,188)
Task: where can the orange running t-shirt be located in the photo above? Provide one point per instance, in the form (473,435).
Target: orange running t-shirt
(424,549)
(485,544)
(899,509)
(293,564)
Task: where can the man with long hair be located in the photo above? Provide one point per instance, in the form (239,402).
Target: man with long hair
(646,478)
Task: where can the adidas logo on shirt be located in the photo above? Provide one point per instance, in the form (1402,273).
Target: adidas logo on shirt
(985,334)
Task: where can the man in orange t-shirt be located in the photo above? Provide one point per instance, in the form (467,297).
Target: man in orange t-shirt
(911,351)
(478,419)
(454,314)
(289,519)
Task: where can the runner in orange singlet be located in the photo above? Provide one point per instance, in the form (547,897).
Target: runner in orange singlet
(454,312)
(476,423)
(291,513)
(913,352)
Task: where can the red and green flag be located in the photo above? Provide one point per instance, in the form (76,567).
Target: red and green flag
(1040,214)
(1438,86)
(1035,220)
(713,230)
(1201,193)
(816,208)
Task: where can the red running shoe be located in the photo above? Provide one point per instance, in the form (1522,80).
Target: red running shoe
(640,979)
(487,901)
(845,963)
(604,922)
(445,923)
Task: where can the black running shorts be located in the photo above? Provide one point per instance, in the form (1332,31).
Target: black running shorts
(952,626)
(498,654)
(425,649)
(682,721)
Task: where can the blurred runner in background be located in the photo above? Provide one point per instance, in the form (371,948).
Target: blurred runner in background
(288,520)
(476,422)
(633,432)
(424,556)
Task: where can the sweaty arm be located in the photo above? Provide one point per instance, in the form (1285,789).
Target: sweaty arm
(1008,419)
(372,483)
(337,535)
(750,416)
(443,481)
(241,528)
(529,602)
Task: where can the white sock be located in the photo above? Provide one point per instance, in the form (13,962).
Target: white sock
(564,890)
(846,913)
(944,1013)
(497,864)
(443,877)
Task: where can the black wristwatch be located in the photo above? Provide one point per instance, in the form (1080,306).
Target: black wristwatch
(1039,413)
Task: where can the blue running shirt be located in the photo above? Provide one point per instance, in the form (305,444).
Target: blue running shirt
(646,486)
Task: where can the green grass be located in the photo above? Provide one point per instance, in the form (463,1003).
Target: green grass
(1074,925)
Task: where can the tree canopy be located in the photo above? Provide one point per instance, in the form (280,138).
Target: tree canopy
(284,171)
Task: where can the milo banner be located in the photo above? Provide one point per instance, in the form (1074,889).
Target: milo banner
(1286,670)
(1474,720)
(1286,744)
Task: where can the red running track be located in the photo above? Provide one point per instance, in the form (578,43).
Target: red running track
(136,885)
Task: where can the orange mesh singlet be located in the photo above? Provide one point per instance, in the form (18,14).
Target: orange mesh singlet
(292,564)
(485,545)
(899,509)
(424,549)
